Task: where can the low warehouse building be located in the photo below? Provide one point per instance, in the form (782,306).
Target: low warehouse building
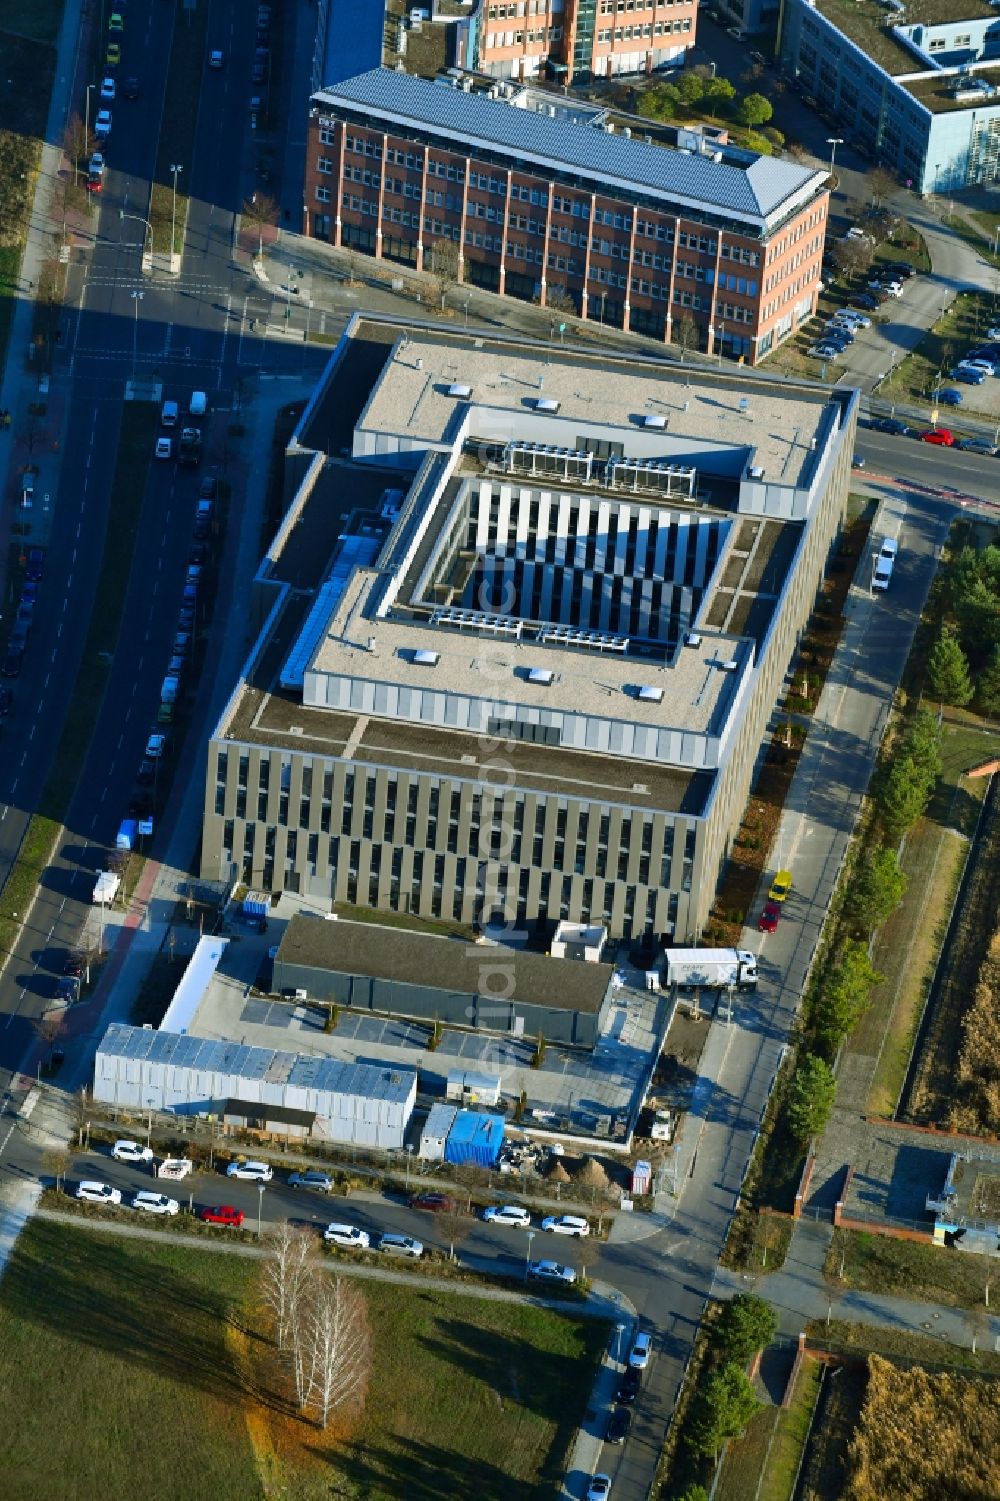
(367,967)
(289,1094)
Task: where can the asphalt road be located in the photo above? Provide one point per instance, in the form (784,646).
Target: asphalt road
(182,332)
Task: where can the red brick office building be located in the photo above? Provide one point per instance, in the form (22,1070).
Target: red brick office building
(574,40)
(542,207)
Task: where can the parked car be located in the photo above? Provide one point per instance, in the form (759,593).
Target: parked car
(216,58)
(223,1214)
(435,1203)
(98,1193)
(164,448)
(901,270)
(115,21)
(35,566)
(347,1235)
(131,1151)
(891,425)
(852,316)
(629,1386)
(979,362)
(950,396)
(618,1425)
(130,88)
(769,918)
(976,445)
(401,1245)
(642,1349)
(146,774)
(254,1172)
(108,89)
(939,435)
(780,886)
(566,1224)
(102,124)
(153,1203)
(824,352)
(68,989)
(155,746)
(113,54)
(311,1179)
(865,300)
(507,1214)
(968,376)
(599,1488)
(551,1271)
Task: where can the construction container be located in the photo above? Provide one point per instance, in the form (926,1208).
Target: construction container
(435,1133)
(474,1138)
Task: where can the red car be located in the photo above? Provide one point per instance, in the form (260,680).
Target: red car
(939,435)
(769,918)
(436,1203)
(223,1214)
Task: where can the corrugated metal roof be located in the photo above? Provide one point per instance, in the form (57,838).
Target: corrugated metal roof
(299,1070)
(753,190)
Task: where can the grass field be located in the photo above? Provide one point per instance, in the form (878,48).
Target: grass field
(38,20)
(855,1340)
(135,1370)
(882,1264)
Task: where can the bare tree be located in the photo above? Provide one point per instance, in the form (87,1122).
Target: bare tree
(76,142)
(559,299)
(290,1261)
(339,1341)
(258,210)
(852,256)
(881,183)
(686,332)
(456,1224)
(444,266)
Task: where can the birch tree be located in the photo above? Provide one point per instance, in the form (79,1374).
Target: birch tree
(291,1258)
(340,1345)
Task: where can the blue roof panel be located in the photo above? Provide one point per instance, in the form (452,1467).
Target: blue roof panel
(752,188)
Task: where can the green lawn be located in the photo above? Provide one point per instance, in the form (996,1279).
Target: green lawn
(37,19)
(114,1352)
(882,1264)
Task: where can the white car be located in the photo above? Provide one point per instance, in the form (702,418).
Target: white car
(257,1172)
(131,1151)
(102,125)
(642,1348)
(566,1224)
(823,352)
(551,1271)
(993,333)
(155,746)
(99,1193)
(856,233)
(848,315)
(507,1214)
(155,1203)
(108,88)
(164,448)
(347,1235)
(599,1488)
(983,365)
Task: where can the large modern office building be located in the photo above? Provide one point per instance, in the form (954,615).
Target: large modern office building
(917,87)
(571,41)
(562,204)
(519,644)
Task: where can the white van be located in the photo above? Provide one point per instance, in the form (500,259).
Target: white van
(198,404)
(169,414)
(884,563)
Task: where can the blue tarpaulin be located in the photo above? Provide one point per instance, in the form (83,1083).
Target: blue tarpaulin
(256,904)
(476,1138)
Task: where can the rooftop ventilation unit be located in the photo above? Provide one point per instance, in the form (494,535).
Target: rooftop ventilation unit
(477,620)
(650,695)
(549,462)
(424,658)
(567,635)
(659,478)
(542,676)
(459,390)
(654,419)
(729,666)
(756,472)
(692,639)
(744,403)
(546,404)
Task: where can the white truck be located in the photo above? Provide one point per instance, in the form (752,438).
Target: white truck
(105,888)
(175,1167)
(712,968)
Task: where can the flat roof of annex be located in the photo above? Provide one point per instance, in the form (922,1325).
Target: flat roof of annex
(774,422)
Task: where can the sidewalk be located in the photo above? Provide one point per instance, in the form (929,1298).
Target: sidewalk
(585,1455)
(799,1292)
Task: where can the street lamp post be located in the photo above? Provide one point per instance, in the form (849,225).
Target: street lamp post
(996,239)
(260,1207)
(173,210)
(86,129)
(409,1154)
(141,220)
(527,1254)
(136,299)
(833,142)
